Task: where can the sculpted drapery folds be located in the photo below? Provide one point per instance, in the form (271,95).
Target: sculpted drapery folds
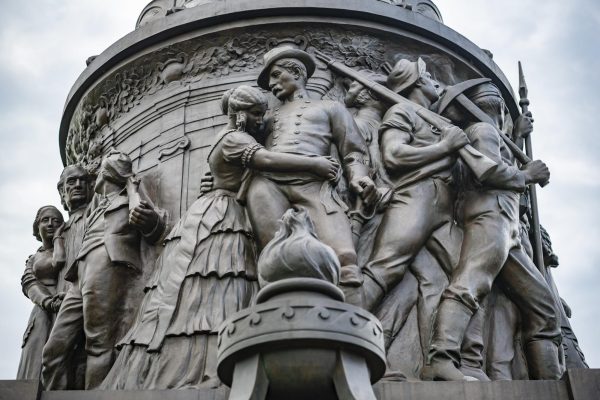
(39,283)
(207,270)
(342,115)
(103,274)
(404,237)
(310,127)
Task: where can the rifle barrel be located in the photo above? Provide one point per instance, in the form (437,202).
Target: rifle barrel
(481,165)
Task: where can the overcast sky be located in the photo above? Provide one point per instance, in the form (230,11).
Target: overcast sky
(44,45)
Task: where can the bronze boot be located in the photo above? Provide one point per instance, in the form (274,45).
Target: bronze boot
(444,352)
(542,360)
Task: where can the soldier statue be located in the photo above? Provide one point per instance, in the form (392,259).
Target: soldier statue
(304,126)
(491,248)
(418,160)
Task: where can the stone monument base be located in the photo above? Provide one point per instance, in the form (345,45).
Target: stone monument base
(578,384)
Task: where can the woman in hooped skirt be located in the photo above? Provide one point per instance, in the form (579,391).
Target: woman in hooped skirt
(207,270)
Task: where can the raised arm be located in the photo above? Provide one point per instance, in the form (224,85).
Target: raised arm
(399,156)
(397,133)
(505,176)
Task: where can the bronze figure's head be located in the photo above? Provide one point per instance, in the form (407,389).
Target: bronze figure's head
(246,107)
(47,220)
(74,187)
(286,70)
(407,76)
(358,95)
(116,169)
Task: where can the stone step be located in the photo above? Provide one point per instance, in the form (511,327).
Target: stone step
(578,384)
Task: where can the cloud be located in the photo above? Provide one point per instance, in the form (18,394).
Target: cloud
(43,46)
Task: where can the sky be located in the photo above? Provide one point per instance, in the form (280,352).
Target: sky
(44,45)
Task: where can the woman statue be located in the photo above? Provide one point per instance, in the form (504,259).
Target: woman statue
(207,270)
(39,285)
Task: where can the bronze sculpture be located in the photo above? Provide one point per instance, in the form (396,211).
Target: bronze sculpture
(491,248)
(418,161)
(106,264)
(75,187)
(207,270)
(39,284)
(305,126)
(392,213)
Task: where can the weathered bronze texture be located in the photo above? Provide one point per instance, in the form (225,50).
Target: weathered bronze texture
(40,283)
(357,159)
(104,274)
(300,340)
(207,270)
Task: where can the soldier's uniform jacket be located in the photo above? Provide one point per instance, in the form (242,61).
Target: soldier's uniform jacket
(300,131)
(506,176)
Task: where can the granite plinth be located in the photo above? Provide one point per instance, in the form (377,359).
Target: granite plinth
(577,384)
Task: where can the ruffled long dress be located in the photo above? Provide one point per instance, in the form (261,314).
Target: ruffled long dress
(206,272)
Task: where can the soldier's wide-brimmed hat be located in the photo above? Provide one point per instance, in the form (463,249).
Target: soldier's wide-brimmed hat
(278,53)
(405,74)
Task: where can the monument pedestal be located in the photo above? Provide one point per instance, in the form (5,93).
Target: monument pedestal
(577,384)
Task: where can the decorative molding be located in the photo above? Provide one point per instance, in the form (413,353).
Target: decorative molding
(217,56)
(181,144)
